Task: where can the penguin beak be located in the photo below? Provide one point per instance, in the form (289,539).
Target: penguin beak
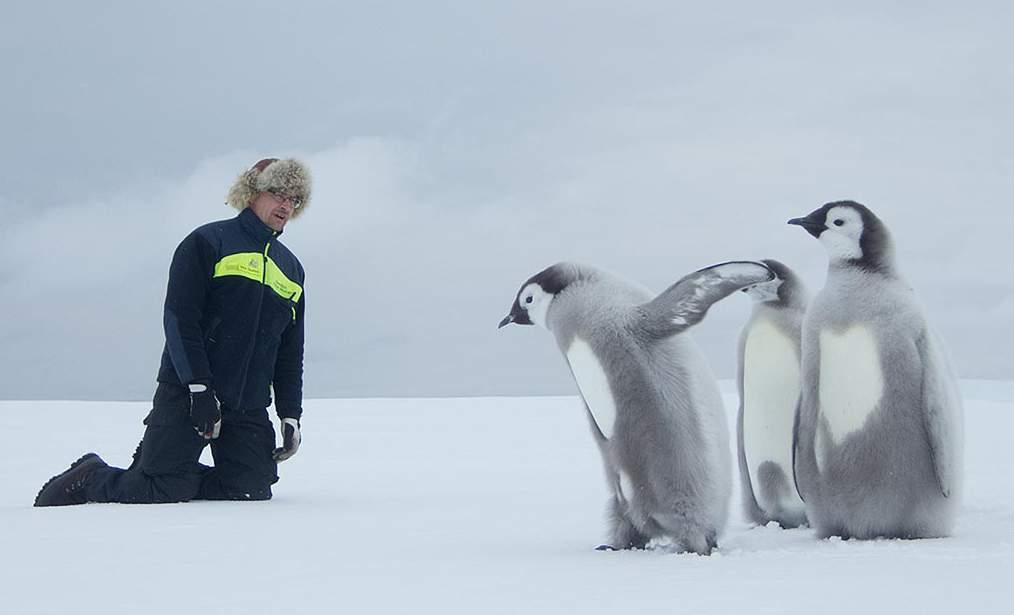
(811,224)
(517,316)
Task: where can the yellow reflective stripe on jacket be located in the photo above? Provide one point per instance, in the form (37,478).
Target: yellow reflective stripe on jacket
(244,264)
(280,283)
(251,265)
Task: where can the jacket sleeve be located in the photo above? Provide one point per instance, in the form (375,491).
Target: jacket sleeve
(288,379)
(185,300)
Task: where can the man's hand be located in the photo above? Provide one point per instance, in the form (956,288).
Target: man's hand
(290,439)
(205,413)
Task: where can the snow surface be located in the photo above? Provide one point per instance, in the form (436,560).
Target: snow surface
(488,505)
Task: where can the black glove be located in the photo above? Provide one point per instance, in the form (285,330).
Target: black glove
(205,413)
(290,439)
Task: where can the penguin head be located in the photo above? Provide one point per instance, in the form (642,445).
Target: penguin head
(531,305)
(852,235)
(786,288)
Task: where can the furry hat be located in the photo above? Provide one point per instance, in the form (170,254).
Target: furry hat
(288,177)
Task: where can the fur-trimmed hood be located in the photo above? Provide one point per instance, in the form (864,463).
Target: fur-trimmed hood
(287,176)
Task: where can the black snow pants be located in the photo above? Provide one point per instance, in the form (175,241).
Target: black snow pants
(166,466)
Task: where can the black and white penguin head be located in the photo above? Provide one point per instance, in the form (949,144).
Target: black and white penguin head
(786,288)
(852,235)
(531,306)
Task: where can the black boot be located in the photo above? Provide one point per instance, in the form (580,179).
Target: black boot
(69,487)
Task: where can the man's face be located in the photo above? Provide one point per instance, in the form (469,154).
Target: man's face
(273,210)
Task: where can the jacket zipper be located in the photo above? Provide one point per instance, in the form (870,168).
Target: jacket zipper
(257,320)
(264,269)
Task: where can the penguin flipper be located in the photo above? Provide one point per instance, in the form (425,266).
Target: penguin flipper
(941,414)
(751,508)
(795,449)
(805,467)
(686,302)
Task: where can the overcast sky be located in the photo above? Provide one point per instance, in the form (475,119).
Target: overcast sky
(459,147)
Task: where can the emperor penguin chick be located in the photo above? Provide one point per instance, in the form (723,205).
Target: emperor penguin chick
(879,429)
(768,382)
(653,404)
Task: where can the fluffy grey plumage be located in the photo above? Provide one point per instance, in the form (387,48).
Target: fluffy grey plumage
(768,383)
(654,407)
(879,430)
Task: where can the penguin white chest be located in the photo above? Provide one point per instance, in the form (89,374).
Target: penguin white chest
(770,392)
(593,384)
(851,379)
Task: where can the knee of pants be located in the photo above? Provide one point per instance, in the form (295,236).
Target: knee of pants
(170,446)
(166,465)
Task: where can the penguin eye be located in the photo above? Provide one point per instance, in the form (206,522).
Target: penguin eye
(839,222)
(528,299)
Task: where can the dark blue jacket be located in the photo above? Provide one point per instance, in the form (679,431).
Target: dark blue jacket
(234,312)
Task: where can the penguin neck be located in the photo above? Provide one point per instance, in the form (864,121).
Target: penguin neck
(882,266)
(773,310)
(792,295)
